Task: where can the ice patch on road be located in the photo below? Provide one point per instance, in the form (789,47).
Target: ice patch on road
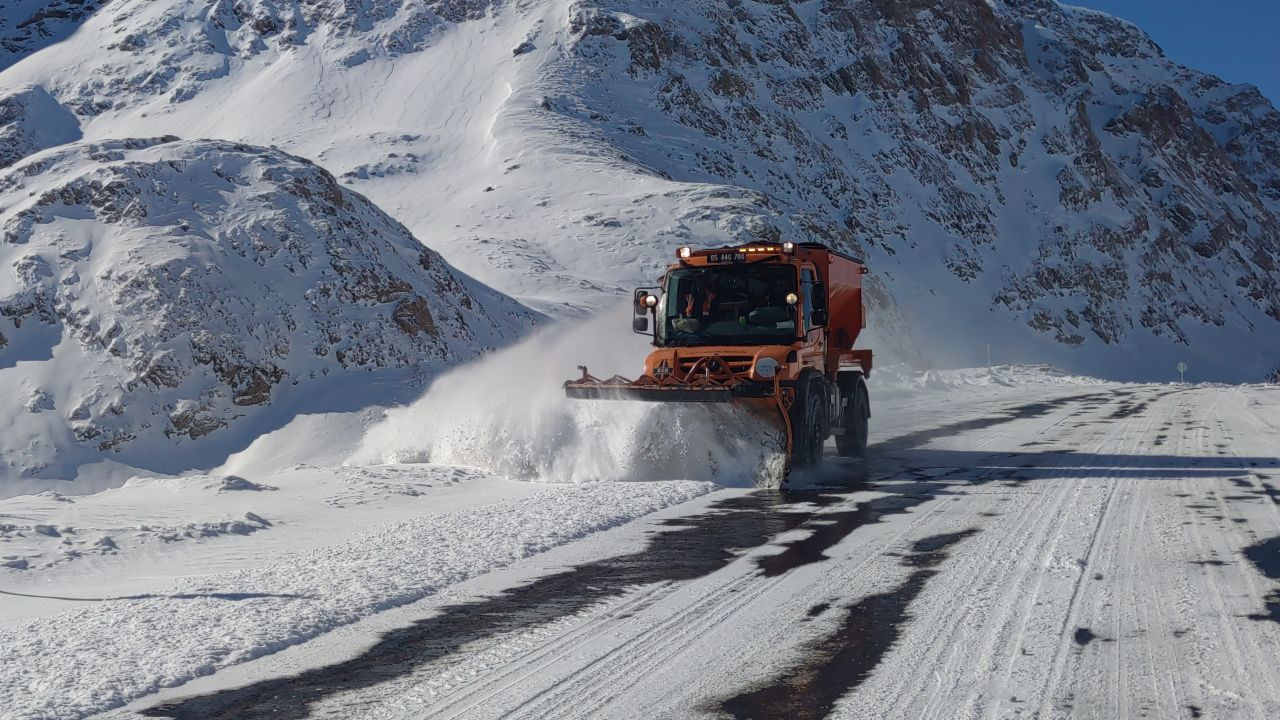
(526,428)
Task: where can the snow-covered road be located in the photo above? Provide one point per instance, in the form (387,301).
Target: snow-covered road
(1102,551)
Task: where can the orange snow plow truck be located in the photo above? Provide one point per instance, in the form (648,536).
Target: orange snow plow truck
(767,325)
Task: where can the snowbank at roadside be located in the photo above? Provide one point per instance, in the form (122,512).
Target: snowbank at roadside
(105,655)
(898,381)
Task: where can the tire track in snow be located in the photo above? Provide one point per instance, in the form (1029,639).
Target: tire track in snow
(808,676)
(1226,631)
(1228,540)
(971,631)
(965,632)
(1069,634)
(1038,550)
(1157,650)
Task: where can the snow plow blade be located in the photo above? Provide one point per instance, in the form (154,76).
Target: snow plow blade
(720,386)
(630,391)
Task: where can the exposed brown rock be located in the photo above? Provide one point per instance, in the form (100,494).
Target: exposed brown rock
(413,316)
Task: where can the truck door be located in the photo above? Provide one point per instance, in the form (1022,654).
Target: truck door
(813,292)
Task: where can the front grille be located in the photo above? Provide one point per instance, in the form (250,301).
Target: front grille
(739,364)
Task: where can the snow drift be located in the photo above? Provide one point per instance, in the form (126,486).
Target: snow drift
(163,302)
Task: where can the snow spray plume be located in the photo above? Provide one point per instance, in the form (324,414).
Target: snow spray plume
(508,413)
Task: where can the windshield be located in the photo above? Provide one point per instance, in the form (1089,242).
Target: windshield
(730,305)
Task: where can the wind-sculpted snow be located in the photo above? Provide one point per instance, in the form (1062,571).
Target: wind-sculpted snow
(526,428)
(157,294)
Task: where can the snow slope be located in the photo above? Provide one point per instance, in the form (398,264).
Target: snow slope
(31,121)
(1027,174)
(164,302)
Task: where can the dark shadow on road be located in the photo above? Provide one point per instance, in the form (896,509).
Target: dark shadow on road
(844,658)
(685,549)
(1265,556)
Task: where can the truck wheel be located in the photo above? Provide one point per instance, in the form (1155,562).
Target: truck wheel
(809,433)
(853,443)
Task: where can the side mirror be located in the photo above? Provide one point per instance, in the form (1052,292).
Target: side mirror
(640,324)
(818,318)
(641,305)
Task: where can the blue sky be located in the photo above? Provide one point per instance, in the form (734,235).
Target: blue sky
(1237,40)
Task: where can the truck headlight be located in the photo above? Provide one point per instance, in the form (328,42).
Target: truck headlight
(651,301)
(792,298)
(767,367)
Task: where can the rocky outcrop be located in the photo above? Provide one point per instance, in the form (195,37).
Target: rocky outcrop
(168,289)
(1063,170)
(31,121)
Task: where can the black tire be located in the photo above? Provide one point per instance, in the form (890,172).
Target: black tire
(853,442)
(809,426)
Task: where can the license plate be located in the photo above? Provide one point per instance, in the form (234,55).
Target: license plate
(727,257)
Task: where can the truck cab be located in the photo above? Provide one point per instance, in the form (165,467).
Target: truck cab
(765,323)
(795,306)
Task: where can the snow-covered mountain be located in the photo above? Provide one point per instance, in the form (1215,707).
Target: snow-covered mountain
(162,302)
(1020,173)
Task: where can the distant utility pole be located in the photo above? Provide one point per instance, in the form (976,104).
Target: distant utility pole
(988,357)
(1182,373)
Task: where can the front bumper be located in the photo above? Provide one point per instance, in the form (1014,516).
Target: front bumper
(577,390)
